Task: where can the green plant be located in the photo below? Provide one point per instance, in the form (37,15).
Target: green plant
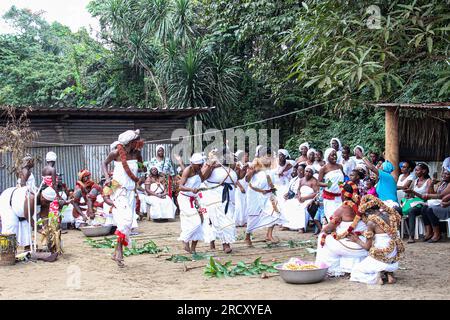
(216,269)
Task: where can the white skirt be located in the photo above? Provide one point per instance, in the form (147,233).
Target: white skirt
(191,223)
(161,208)
(341,255)
(368,270)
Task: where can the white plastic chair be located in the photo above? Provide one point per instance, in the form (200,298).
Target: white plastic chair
(448,226)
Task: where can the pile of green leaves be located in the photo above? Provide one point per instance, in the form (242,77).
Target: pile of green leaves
(107,243)
(218,270)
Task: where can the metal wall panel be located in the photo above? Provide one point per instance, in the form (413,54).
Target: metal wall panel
(71,159)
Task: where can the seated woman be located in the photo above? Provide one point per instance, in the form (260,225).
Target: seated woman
(438,208)
(161,205)
(405,179)
(382,242)
(334,248)
(413,205)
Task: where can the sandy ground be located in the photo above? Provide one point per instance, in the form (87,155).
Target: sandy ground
(87,273)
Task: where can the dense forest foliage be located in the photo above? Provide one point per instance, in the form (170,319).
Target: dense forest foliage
(250,59)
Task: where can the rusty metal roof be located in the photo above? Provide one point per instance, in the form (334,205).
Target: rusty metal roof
(438,106)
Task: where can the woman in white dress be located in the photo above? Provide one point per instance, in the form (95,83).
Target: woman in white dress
(405,179)
(242,165)
(191,218)
(357,156)
(161,205)
(282,175)
(330,177)
(262,206)
(296,209)
(336,144)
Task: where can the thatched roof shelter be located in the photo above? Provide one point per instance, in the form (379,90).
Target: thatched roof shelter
(418,131)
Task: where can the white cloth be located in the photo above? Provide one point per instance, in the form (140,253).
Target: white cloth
(160,208)
(49,194)
(358,162)
(400,183)
(304,144)
(284,152)
(197,158)
(51,156)
(191,223)
(223,223)
(367,271)
(124,199)
(295,212)
(341,255)
(240,209)
(446,164)
(422,189)
(11,209)
(31,182)
(260,210)
(348,166)
(330,206)
(128,136)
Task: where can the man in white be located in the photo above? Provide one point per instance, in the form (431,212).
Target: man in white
(126,154)
(17,206)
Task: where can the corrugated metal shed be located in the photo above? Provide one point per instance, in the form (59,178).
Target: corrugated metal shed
(71,159)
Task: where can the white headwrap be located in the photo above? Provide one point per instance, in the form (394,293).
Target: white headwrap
(114,145)
(239,153)
(327,154)
(197,158)
(312,150)
(304,144)
(285,152)
(338,141)
(358,147)
(49,194)
(361,167)
(160,146)
(51,156)
(311,168)
(128,136)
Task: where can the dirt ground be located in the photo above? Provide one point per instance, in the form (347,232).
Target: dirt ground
(87,273)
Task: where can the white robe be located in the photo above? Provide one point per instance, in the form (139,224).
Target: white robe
(11,211)
(124,199)
(240,213)
(160,208)
(260,210)
(341,255)
(296,212)
(330,206)
(223,223)
(367,271)
(191,223)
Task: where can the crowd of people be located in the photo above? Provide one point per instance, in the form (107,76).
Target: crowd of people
(352,203)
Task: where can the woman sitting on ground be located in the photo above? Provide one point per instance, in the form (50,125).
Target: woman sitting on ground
(438,209)
(161,205)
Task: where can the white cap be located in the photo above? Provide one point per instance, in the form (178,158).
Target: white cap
(49,194)
(304,144)
(284,151)
(127,136)
(51,156)
(197,158)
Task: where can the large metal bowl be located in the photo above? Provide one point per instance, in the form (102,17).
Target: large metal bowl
(96,231)
(301,276)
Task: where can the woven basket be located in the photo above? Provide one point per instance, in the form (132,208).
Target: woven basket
(8,249)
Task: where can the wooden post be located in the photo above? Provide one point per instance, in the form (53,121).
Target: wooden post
(391,138)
